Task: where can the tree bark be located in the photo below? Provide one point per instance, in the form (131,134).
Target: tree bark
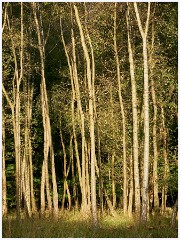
(80,111)
(91,118)
(122,115)
(174,213)
(130,204)
(4,190)
(166,167)
(71,73)
(146,114)
(155,149)
(135,123)
(48,147)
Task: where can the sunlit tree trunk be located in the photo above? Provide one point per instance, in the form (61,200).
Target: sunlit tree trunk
(76,95)
(88,190)
(131,191)
(135,123)
(155,149)
(27,168)
(113,152)
(80,111)
(48,147)
(4,191)
(65,172)
(122,115)
(73,172)
(98,162)
(146,114)
(91,118)
(16,104)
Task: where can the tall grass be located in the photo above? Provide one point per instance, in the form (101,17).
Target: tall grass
(73,225)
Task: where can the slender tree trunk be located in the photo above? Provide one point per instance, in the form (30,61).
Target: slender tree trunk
(76,92)
(73,174)
(91,117)
(146,114)
(113,152)
(80,111)
(4,190)
(174,213)
(98,162)
(130,205)
(88,190)
(48,147)
(15,108)
(135,124)
(65,172)
(153,93)
(27,173)
(113,182)
(166,167)
(122,115)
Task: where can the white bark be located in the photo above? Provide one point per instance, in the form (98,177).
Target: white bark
(91,117)
(146,113)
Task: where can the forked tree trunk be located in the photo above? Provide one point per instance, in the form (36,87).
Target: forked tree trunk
(98,162)
(146,114)
(65,172)
(91,118)
(80,111)
(15,108)
(135,122)
(27,173)
(76,95)
(48,147)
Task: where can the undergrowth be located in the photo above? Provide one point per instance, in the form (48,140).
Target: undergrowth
(73,225)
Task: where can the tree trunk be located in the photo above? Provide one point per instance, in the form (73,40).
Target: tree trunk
(91,118)
(65,172)
(174,213)
(153,93)
(80,111)
(166,167)
(4,191)
(48,147)
(76,94)
(122,115)
(130,205)
(146,114)
(135,124)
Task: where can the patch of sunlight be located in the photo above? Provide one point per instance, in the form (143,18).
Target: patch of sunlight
(119,220)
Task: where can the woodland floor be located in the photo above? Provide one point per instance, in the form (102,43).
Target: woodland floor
(72,225)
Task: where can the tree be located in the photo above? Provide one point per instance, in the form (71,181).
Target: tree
(91,119)
(123,118)
(135,121)
(146,112)
(48,145)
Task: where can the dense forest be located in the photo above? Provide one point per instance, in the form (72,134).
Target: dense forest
(89,108)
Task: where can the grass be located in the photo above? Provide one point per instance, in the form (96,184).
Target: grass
(73,225)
